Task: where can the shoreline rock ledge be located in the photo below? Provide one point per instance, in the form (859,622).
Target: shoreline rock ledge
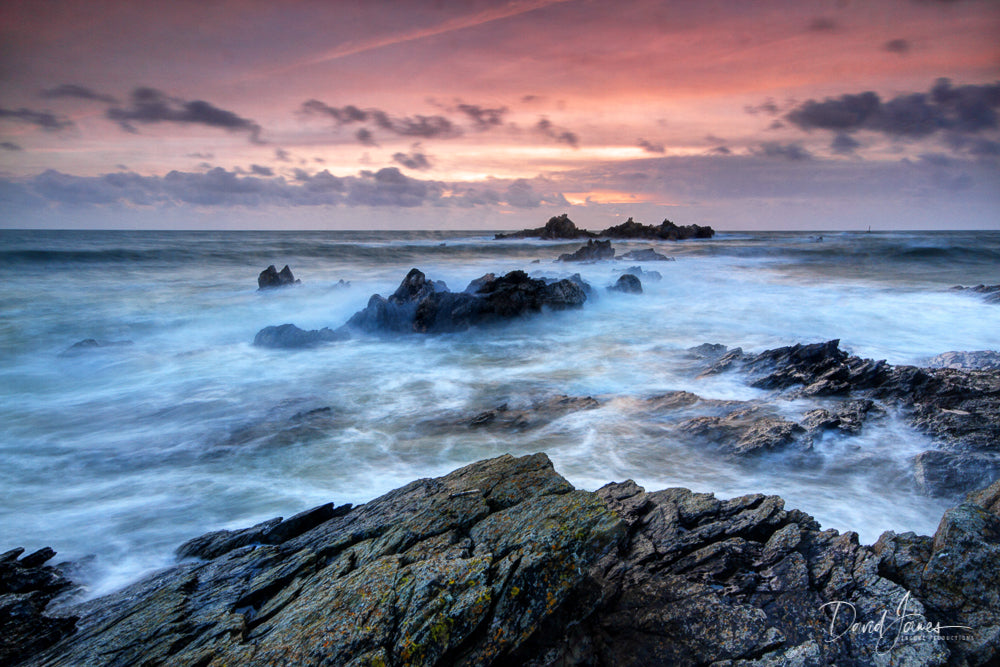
(503,562)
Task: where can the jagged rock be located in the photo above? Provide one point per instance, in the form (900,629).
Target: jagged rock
(558,227)
(592,252)
(991,292)
(666,230)
(425,307)
(983,360)
(847,418)
(646,255)
(744,431)
(503,563)
(26,587)
(710,351)
(941,473)
(959,407)
(271,277)
(289,336)
(628,284)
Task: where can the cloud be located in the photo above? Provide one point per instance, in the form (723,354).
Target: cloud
(561,135)
(73,90)
(650,147)
(425,127)
(823,24)
(414,160)
(844,144)
(792,151)
(46,120)
(10,146)
(768,106)
(962,109)
(483,117)
(261,171)
(390,187)
(281,155)
(900,46)
(149,105)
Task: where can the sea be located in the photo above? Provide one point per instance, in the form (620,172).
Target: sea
(178,425)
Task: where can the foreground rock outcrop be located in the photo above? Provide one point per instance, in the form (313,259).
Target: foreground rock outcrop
(420,305)
(504,563)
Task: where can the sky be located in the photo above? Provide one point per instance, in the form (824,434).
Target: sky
(498,114)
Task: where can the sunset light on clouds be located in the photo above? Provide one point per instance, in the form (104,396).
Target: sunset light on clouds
(491,114)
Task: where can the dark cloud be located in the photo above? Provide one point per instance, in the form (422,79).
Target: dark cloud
(650,147)
(768,106)
(721,150)
(792,151)
(261,171)
(414,160)
(561,135)
(823,24)
(390,187)
(10,146)
(900,46)
(483,117)
(75,91)
(957,109)
(201,156)
(281,155)
(46,120)
(149,105)
(844,144)
(426,127)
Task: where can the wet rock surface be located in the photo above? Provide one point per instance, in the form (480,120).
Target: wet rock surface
(627,283)
(594,251)
(646,255)
(420,305)
(504,563)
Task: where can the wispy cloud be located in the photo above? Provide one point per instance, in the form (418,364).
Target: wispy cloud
(148,106)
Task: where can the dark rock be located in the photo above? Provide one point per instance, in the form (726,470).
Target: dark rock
(289,336)
(646,255)
(558,227)
(532,416)
(88,344)
(26,588)
(991,292)
(666,230)
(271,277)
(710,351)
(848,418)
(654,276)
(984,360)
(424,307)
(744,431)
(592,252)
(941,473)
(628,284)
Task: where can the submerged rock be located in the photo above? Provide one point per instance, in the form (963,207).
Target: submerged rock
(627,283)
(983,360)
(289,336)
(89,344)
(638,272)
(503,563)
(271,277)
(991,293)
(592,252)
(646,255)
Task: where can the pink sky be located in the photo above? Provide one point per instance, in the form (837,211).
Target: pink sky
(490,114)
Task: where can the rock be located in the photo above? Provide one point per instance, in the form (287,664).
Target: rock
(744,431)
(646,255)
(88,344)
(533,416)
(984,360)
(991,292)
(271,277)
(592,252)
(628,284)
(26,587)
(424,307)
(710,351)
(941,473)
(289,336)
(654,276)
(959,407)
(558,227)
(847,418)
(502,562)
(667,231)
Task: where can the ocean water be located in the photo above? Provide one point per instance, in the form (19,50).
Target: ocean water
(117,455)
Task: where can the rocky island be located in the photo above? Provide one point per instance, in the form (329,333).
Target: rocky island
(561,227)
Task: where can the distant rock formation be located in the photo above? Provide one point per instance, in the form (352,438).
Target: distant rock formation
(503,562)
(646,255)
(271,277)
(561,227)
(991,292)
